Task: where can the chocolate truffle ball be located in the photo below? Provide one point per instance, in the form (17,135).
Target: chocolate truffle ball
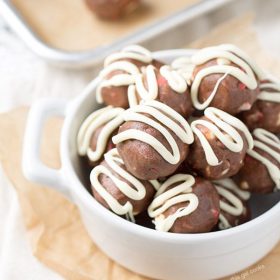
(112,9)
(153,141)
(95,134)
(265,112)
(185,204)
(120,71)
(116,189)
(165,85)
(225,78)
(233,203)
(261,170)
(219,146)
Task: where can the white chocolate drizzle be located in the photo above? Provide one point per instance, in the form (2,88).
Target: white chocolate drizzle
(132,96)
(229,190)
(175,80)
(225,54)
(165,117)
(121,79)
(270,90)
(130,52)
(152,86)
(164,199)
(111,119)
(231,185)
(264,140)
(116,62)
(135,191)
(223,126)
(184,67)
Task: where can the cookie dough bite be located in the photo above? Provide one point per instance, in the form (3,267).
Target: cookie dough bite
(120,70)
(112,9)
(265,112)
(116,189)
(233,203)
(261,170)
(153,141)
(225,78)
(185,204)
(219,146)
(165,85)
(95,134)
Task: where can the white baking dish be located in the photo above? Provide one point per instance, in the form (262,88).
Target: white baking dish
(155,254)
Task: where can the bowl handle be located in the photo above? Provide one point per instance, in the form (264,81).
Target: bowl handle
(33,168)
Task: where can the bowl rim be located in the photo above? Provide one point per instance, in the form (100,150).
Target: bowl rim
(78,189)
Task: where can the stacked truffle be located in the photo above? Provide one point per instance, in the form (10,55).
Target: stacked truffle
(172,147)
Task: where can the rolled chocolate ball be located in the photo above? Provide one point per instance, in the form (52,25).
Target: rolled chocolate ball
(95,134)
(153,141)
(233,203)
(261,170)
(185,204)
(265,112)
(112,9)
(120,70)
(119,191)
(219,146)
(224,77)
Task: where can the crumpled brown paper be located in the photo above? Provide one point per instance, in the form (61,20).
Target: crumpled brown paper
(56,233)
(57,236)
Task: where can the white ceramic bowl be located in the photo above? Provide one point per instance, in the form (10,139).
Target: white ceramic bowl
(155,254)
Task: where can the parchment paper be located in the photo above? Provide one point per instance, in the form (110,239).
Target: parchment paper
(57,236)
(49,19)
